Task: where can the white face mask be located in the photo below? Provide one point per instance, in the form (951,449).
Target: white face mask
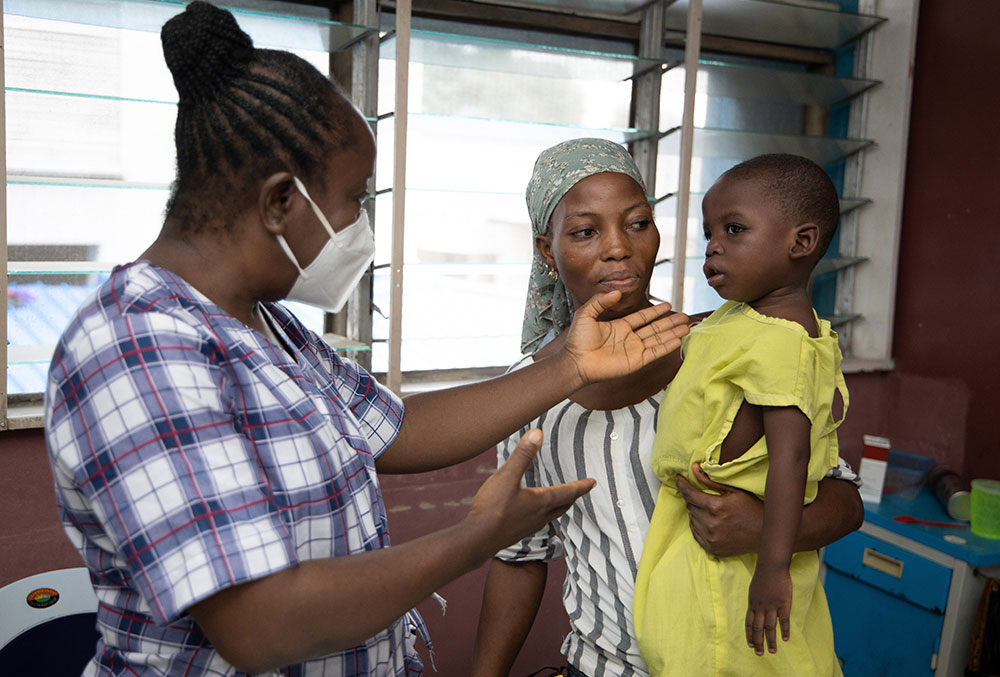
(335,272)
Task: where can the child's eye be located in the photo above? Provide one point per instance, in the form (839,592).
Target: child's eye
(734,228)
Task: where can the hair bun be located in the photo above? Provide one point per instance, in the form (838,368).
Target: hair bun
(204,48)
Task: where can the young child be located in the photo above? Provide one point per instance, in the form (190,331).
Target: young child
(754,403)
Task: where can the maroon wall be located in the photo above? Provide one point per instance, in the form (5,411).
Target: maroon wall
(947,323)
(919,414)
(31,538)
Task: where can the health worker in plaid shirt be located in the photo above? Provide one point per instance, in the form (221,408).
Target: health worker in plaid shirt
(215,462)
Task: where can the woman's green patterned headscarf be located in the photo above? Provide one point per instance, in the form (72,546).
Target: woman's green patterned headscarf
(558,169)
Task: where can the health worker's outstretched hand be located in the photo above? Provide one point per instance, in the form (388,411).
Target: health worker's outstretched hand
(605,349)
(504,512)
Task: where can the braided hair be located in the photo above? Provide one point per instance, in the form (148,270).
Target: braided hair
(244,114)
(800,188)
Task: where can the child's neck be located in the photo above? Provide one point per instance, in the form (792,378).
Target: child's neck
(789,303)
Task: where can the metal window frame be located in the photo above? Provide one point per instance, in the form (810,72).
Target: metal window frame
(886,54)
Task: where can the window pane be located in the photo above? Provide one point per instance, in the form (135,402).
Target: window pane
(464,280)
(117,223)
(90,113)
(468,242)
(38,309)
(455,315)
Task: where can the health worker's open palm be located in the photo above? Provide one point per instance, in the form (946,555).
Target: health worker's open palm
(605,349)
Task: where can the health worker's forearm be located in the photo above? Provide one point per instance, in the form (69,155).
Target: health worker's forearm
(444,427)
(323,606)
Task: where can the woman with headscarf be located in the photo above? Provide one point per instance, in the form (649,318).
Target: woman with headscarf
(593,232)
(214,460)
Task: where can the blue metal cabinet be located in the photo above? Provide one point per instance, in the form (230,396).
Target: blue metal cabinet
(903,597)
(887,606)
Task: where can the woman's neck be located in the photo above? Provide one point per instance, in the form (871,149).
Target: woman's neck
(631,389)
(622,391)
(206,267)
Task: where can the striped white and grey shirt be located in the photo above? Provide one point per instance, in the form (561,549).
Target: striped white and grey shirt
(603,533)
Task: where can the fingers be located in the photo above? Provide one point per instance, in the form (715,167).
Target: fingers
(699,512)
(706,481)
(687,490)
(693,496)
(770,623)
(598,303)
(558,498)
(644,319)
(785,623)
(523,453)
(761,628)
(699,536)
(653,321)
(659,347)
(504,511)
(663,336)
(684,486)
(562,496)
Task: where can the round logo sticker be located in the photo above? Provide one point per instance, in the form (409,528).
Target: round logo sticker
(42,598)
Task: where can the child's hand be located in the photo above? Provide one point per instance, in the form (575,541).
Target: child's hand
(770,603)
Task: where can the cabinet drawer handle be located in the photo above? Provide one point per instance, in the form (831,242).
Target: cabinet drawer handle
(884,563)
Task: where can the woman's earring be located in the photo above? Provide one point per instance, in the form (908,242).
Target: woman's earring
(553,274)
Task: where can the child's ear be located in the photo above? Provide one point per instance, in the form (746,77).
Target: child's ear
(544,246)
(805,242)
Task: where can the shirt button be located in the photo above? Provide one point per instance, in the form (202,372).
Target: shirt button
(614,436)
(621,503)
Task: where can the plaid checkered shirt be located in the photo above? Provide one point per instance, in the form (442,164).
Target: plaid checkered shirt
(191,454)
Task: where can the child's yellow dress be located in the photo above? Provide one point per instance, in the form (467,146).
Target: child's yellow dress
(690,607)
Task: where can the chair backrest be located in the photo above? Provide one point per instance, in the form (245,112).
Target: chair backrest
(48,624)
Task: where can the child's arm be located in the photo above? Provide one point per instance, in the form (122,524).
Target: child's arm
(786,430)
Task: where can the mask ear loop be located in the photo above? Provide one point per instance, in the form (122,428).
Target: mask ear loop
(315,207)
(290,255)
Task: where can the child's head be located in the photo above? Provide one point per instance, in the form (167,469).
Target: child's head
(767,221)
